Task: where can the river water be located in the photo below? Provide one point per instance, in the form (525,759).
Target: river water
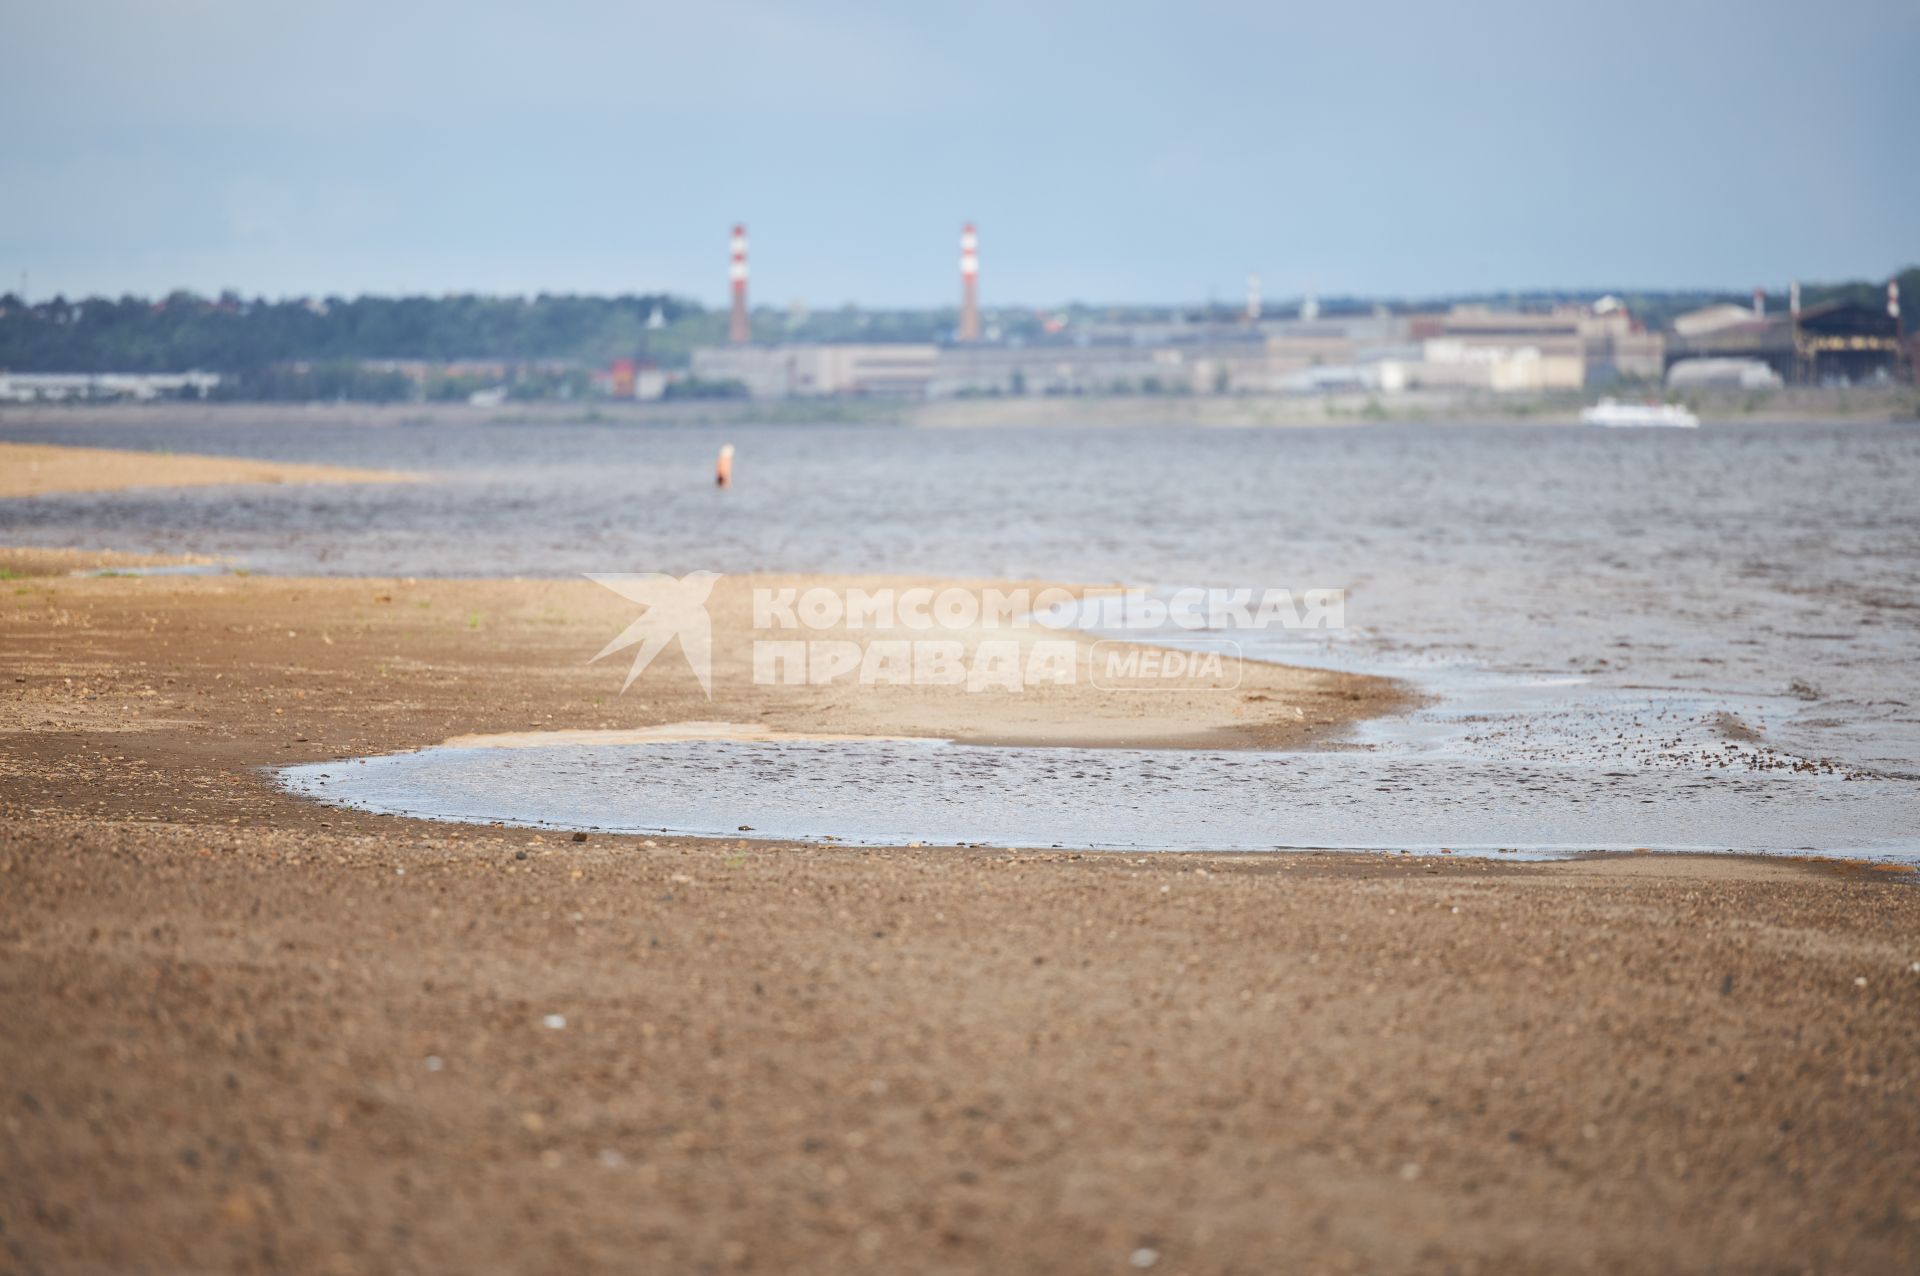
(1675,625)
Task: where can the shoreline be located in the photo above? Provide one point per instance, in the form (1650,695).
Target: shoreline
(1790,407)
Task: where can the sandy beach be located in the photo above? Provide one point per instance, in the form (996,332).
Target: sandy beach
(252,1033)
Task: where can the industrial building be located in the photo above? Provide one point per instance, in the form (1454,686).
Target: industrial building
(1733,332)
(1470,348)
(141,387)
(1577,345)
(1842,342)
(802,371)
(1075,368)
(1379,353)
(1723,374)
(1848,342)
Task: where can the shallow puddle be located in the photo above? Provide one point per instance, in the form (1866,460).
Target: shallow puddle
(891,792)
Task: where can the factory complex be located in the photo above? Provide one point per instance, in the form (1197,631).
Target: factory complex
(1462,348)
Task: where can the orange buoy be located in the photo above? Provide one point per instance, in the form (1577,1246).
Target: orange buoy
(723,468)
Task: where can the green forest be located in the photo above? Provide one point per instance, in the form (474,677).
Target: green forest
(231,334)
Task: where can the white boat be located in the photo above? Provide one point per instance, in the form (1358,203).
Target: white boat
(1611,412)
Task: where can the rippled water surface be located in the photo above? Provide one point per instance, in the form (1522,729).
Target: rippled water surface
(1579,600)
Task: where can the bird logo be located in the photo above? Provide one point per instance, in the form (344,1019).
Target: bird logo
(675,607)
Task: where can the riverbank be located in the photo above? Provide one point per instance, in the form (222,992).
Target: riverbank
(247,1032)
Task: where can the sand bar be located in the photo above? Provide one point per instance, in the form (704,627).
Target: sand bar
(40,469)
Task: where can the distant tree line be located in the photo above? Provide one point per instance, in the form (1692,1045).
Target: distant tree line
(1867,294)
(307,383)
(232,335)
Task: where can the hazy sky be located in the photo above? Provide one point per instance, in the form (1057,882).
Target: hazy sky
(1109,151)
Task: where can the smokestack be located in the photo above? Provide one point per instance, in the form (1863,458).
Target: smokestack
(740,331)
(1253,299)
(969,284)
(1759,303)
(1793,299)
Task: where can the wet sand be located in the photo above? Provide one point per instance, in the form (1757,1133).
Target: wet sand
(37,469)
(250,1033)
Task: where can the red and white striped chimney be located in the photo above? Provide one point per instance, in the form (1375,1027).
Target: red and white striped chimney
(1760,303)
(969,284)
(740,330)
(1893,299)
